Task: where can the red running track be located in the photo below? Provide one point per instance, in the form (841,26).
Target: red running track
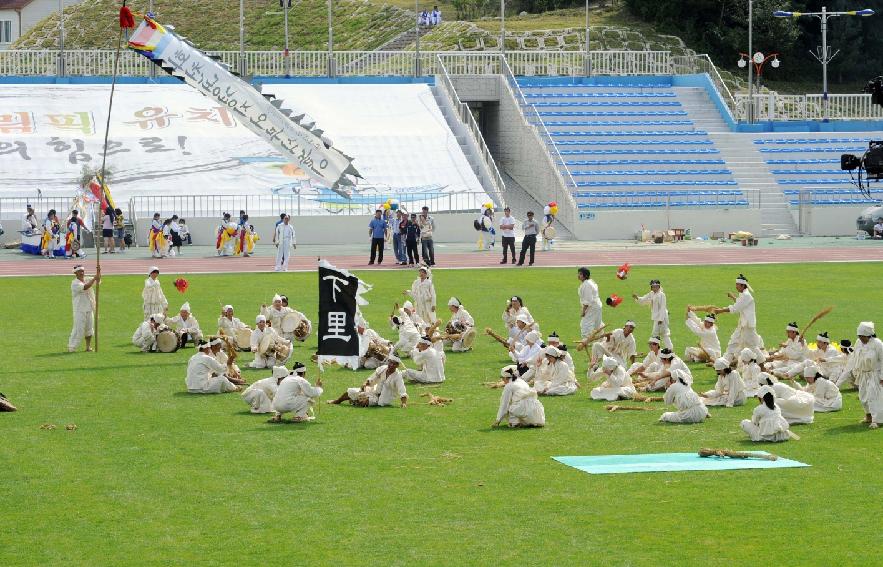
(36,266)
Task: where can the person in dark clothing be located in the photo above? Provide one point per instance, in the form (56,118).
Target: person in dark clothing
(531,228)
(377,231)
(412,236)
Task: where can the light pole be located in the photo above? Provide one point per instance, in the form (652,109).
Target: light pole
(503,27)
(242,66)
(60,68)
(285,10)
(824,55)
(417,30)
(758,60)
(750,116)
(330,38)
(588,52)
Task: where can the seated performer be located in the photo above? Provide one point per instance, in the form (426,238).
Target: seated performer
(262,330)
(555,341)
(409,336)
(828,360)
(826,395)
(617,384)
(796,405)
(680,394)
(373,349)
(670,362)
(560,379)
(651,362)
(260,394)
(205,375)
(526,356)
(515,308)
(620,345)
(752,375)
(302,321)
(430,361)
(519,404)
(186,325)
(729,390)
(792,354)
(709,347)
(521,329)
(295,394)
(219,351)
(766,423)
(145,335)
(461,322)
(383,387)
(421,325)
(275,313)
(228,325)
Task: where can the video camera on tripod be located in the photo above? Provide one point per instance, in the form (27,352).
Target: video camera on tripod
(869,165)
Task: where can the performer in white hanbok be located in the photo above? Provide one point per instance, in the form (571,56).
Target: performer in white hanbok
(421,325)
(145,335)
(373,349)
(752,375)
(83,300)
(422,293)
(228,325)
(304,327)
(845,378)
(205,375)
(260,394)
(866,368)
(590,302)
(617,383)
(766,423)
(519,404)
(655,298)
(519,331)
(409,336)
(526,356)
(745,333)
(561,380)
(186,325)
(296,395)
(729,390)
(382,388)
(691,408)
(796,405)
(274,313)
(267,360)
(670,362)
(619,344)
(651,362)
(516,312)
(285,240)
(430,361)
(555,341)
(460,319)
(791,356)
(829,361)
(705,329)
(826,396)
(154,300)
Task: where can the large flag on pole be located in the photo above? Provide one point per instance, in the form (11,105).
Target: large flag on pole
(339,300)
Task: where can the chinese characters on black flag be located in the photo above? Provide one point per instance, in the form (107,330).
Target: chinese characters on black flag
(338,339)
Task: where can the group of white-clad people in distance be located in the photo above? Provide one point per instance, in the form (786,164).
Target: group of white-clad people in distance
(744,369)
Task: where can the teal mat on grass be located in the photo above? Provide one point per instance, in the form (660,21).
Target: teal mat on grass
(661,462)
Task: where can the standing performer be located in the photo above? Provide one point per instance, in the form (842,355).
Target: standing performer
(866,369)
(655,298)
(590,317)
(73,241)
(766,423)
(422,292)
(620,344)
(415,317)
(296,395)
(431,362)
(226,239)
(155,238)
(745,333)
(205,375)
(51,240)
(186,325)
(519,402)
(690,407)
(617,385)
(461,322)
(260,394)
(548,231)
(285,240)
(154,300)
(846,378)
(706,331)
(729,390)
(383,387)
(83,299)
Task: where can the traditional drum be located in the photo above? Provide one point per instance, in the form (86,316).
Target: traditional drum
(243,339)
(303,330)
(290,322)
(549,232)
(469,337)
(167,340)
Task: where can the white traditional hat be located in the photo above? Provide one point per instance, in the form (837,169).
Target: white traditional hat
(79,268)
(216,341)
(299,368)
(666,354)
(532,337)
(630,323)
(260,318)
(276,298)
(654,340)
(710,318)
(721,364)
(280,372)
(454,302)
(523,318)
(811,371)
(204,345)
(678,374)
(152,269)
(609,363)
(408,305)
(393,358)
(158,317)
(746,355)
(510,371)
(823,338)
(424,341)
(865,329)
(792,327)
(554,338)
(228,308)
(553,352)
(764,390)
(185,307)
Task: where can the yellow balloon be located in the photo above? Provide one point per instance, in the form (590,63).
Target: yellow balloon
(386,206)
(554,211)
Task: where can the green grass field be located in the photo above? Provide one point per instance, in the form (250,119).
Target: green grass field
(154,476)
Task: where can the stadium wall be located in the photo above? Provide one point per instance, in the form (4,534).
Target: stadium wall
(624,224)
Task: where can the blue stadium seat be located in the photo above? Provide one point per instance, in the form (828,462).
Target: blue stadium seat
(647,162)
(670,152)
(623,142)
(627,173)
(653,183)
(784,141)
(592,113)
(607,103)
(813,149)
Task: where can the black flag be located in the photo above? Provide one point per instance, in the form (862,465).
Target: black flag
(337,313)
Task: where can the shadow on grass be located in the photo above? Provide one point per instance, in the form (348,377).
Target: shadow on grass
(287,425)
(850,428)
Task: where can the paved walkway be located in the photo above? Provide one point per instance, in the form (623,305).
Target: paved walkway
(202,259)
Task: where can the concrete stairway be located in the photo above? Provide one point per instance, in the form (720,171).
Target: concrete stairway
(403,40)
(746,163)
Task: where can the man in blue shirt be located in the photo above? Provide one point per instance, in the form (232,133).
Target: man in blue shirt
(377,232)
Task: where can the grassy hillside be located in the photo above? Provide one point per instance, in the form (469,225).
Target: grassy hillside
(213,25)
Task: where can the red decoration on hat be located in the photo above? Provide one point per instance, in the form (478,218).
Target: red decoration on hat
(613,300)
(623,271)
(181,284)
(127,20)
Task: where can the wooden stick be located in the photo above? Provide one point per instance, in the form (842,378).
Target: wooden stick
(706,452)
(496,336)
(593,336)
(705,308)
(612,408)
(817,316)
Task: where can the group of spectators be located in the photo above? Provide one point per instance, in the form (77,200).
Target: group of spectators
(430,18)
(405,231)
